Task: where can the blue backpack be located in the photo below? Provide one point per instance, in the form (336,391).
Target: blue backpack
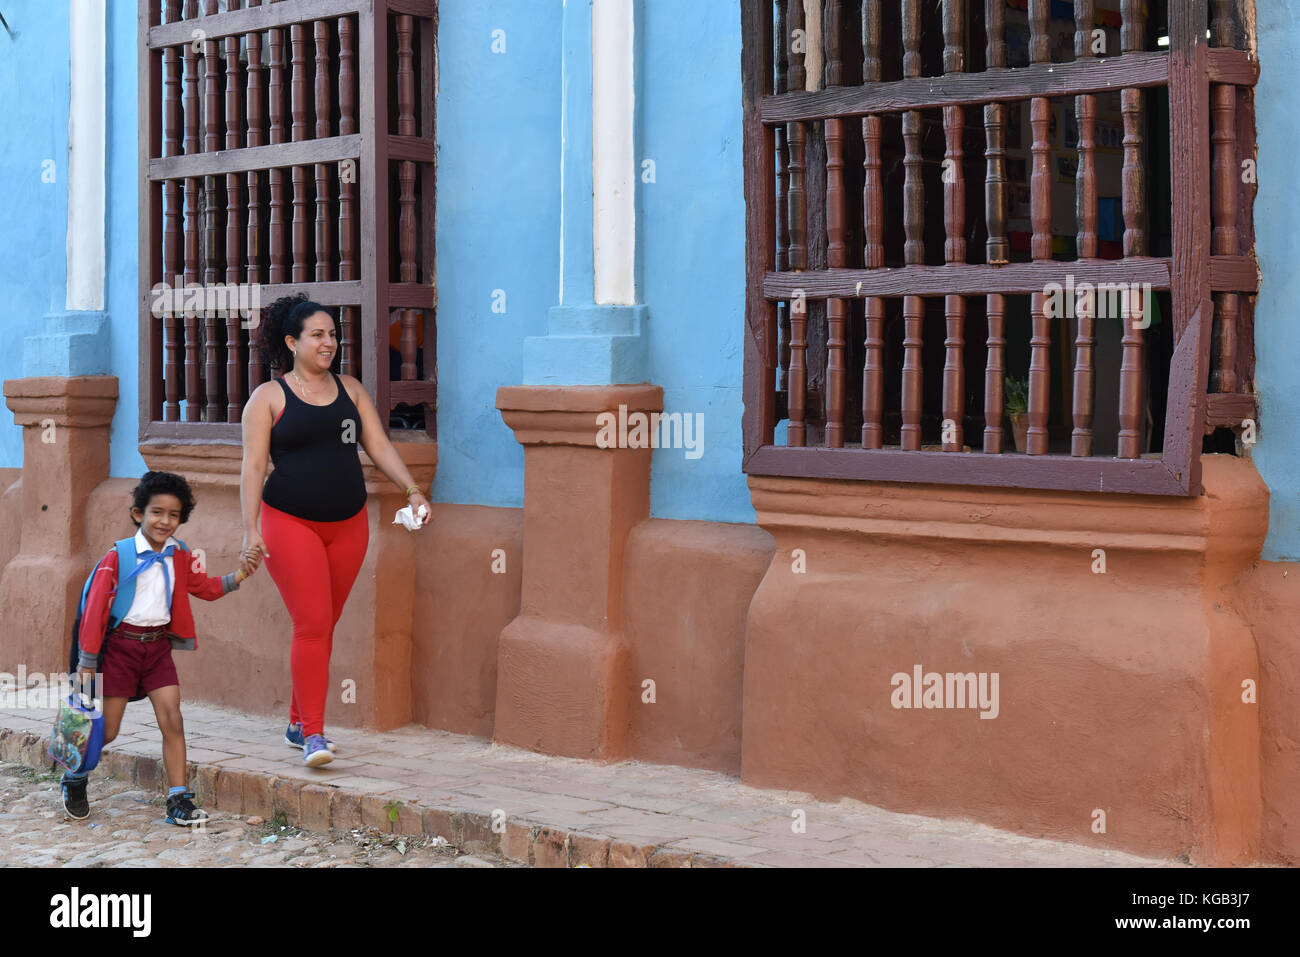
(122,599)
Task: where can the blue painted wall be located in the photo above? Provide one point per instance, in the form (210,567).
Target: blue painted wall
(34,214)
(498,229)
(121,202)
(691,247)
(1277,334)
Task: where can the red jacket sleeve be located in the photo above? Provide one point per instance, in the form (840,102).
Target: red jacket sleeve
(94,619)
(198,582)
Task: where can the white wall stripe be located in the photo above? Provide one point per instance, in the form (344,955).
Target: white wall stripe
(86,155)
(613,156)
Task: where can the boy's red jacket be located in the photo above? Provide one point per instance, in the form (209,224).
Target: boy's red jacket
(186,582)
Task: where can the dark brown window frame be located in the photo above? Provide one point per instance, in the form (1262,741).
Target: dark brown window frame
(384,145)
(1192,274)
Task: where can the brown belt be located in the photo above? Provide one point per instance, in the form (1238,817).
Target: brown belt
(137,633)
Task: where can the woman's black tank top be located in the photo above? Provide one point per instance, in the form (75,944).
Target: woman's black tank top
(317,473)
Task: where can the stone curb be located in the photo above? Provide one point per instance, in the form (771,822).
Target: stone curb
(316,807)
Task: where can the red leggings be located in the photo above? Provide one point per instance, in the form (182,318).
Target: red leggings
(308,560)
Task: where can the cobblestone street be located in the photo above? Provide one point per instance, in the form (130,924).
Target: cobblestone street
(127,828)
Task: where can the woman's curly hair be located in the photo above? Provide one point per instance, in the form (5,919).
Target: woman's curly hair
(285,317)
(163,483)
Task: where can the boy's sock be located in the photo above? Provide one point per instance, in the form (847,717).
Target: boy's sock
(74,776)
(172,792)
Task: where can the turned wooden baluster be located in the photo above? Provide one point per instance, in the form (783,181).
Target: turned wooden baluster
(255,137)
(831,39)
(954,186)
(1040,121)
(873,211)
(1085,18)
(913,320)
(779,70)
(234,232)
(997,251)
(913,191)
(913,187)
(406,224)
(1040,368)
(298,132)
(172,213)
(1223,25)
(193,230)
(298,82)
(954,36)
(347,195)
(873,194)
(1040,44)
(192,226)
(275,177)
(406,229)
(911,38)
(211,144)
(952,433)
(324,222)
(1084,374)
(796,212)
(995,27)
(1040,183)
(797,432)
(409,319)
(1085,111)
(299,229)
(873,375)
(954,374)
(797,217)
(837,310)
(1085,203)
(1131,377)
(1132,363)
(994,371)
(1224,181)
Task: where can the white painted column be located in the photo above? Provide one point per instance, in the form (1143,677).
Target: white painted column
(86,155)
(613,155)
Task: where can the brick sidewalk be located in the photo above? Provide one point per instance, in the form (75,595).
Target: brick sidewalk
(557,811)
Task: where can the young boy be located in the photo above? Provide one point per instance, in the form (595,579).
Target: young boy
(136,657)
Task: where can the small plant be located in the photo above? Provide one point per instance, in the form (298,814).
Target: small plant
(1017,396)
(391,808)
(279,820)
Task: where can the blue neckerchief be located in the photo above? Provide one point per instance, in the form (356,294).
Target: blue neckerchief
(151,557)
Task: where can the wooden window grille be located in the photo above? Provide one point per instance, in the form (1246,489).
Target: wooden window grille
(918,175)
(284,146)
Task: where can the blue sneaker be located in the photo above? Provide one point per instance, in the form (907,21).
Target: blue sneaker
(315,751)
(74,797)
(181,810)
(293,738)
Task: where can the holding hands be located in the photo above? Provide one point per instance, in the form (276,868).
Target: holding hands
(252,553)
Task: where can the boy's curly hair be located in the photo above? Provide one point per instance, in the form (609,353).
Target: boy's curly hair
(163,483)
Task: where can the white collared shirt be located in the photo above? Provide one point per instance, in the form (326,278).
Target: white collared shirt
(153,599)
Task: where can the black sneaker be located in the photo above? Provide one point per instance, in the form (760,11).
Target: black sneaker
(181,810)
(74,798)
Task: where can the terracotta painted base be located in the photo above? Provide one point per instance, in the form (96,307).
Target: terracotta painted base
(687,587)
(1118,719)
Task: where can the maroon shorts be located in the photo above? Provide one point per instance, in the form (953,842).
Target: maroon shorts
(132,668)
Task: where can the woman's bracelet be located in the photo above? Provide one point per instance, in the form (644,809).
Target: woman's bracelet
(411,489)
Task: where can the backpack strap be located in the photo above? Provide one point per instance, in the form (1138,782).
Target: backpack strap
(125,594)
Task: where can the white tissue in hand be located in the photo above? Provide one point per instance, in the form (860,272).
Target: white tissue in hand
(409,519)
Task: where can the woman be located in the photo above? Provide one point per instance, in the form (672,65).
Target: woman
(312,510)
